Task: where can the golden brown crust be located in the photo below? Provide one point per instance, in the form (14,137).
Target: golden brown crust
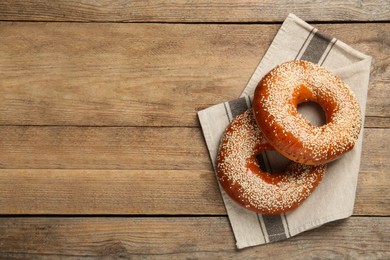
(275,108)
(241,177)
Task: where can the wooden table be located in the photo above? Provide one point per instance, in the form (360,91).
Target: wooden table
(101,152)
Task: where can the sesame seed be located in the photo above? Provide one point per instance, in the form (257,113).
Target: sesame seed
(240,175)
(277,96)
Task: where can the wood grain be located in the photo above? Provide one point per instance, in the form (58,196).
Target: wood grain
(135,148)
(377,122)
(100,118)
(376,139)
(109,192)
(132,192)
(372,196)
(181,238)
(193,11)
(149,74)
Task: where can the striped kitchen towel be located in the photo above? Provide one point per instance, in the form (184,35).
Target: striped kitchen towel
(334,198)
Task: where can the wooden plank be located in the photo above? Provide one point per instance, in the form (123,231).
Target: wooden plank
(182,238)
(378,122)
(372,196)
(121,74)
(148,74)
(192,11)
(167,148)
(192,192)
(375,151)
(109,192)
(137,148)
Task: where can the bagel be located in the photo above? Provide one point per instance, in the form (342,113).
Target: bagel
(275,103)
(240,175)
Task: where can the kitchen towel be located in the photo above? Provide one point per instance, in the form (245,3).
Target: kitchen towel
(334,198)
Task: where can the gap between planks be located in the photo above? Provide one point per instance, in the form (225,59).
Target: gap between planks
(342,22)
(370,122)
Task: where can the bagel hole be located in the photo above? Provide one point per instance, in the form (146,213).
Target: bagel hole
(313,112)
(272,161)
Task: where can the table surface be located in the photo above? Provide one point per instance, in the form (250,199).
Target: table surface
(101,151)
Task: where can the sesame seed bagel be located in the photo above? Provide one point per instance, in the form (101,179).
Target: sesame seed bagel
(275,109)
(240,175)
